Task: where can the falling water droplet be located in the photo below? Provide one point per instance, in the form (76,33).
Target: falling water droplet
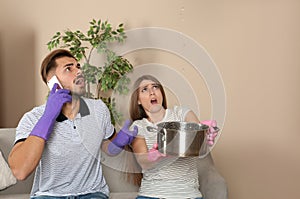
(182,13)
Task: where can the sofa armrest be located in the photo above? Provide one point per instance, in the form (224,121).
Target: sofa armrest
(212,184)
(7,138)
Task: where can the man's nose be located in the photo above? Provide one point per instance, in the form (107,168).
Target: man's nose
(78,72)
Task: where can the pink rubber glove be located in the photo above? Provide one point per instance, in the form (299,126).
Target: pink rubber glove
(154,154)
(212,132)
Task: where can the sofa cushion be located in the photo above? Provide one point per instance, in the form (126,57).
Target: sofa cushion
(6,177)
(15,196)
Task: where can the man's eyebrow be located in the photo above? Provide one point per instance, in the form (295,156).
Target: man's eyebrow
(69,64)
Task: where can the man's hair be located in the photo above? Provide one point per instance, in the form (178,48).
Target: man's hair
(49,61)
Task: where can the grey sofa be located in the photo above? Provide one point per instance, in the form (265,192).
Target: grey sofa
(212,184)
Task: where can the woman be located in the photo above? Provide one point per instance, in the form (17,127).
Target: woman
(163,177)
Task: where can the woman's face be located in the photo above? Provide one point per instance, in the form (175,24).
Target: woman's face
(150,96)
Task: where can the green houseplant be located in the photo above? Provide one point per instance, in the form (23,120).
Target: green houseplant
(109,77)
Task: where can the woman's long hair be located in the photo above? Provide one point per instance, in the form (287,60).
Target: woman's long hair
(137,112)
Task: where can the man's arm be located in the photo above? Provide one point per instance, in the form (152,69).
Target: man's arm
(117,143)
(25,156)
(106,142)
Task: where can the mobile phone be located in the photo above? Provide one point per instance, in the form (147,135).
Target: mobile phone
(52,81)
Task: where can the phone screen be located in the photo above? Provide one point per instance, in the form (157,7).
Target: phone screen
(52,81)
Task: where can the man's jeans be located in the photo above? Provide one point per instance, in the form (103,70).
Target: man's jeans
(145,197)
(97,195)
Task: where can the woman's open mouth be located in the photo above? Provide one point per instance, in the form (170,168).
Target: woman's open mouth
(153,101)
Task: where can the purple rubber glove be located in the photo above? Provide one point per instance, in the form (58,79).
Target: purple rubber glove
(56,100)
(123,138)
(212,132)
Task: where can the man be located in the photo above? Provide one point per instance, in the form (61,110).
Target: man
(61,140)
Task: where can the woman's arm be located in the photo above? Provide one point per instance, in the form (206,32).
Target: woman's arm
(191,117)
(140,150)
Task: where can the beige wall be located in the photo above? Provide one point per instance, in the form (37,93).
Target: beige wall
(254,43)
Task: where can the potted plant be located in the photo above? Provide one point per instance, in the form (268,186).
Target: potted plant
(107,78)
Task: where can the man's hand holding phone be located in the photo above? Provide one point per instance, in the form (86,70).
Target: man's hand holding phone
(57,98)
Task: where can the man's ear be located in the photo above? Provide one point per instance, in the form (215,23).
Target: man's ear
(51,73)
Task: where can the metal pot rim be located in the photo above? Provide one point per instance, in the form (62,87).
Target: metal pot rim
(177,125)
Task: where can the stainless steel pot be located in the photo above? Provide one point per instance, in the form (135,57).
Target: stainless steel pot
(181,139)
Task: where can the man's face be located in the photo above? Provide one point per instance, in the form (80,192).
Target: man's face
(70,75)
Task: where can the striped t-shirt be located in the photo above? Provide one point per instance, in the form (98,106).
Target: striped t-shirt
(175,177)
(70,164)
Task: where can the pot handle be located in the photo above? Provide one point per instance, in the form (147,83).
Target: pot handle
(215,127)
(163,138)
(157,130)
(205,148)
(153,129)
